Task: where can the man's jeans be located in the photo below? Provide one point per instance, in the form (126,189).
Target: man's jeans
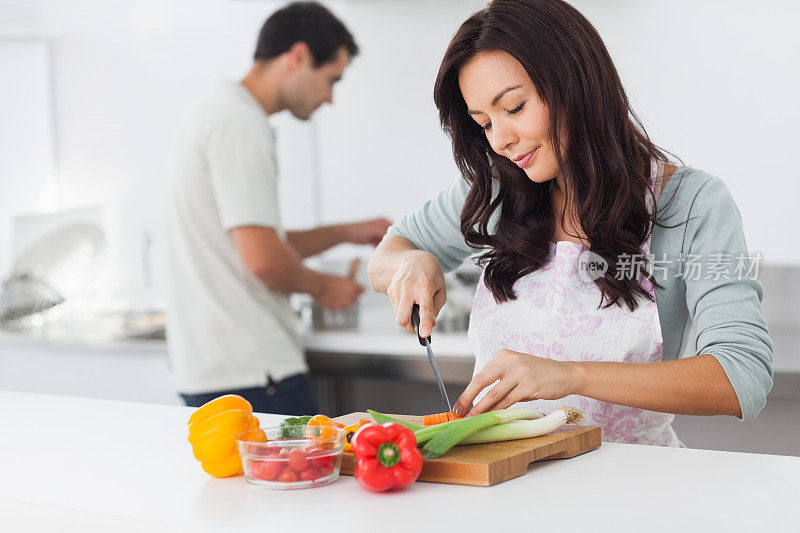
(292,396)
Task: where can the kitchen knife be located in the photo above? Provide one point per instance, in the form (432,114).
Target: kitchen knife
(426,342)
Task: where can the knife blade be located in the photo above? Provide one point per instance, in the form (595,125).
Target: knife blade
(426,342)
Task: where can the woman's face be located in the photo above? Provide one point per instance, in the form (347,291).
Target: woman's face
(502,99)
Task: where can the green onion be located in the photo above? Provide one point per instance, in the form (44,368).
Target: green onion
(458,430)
(525,429)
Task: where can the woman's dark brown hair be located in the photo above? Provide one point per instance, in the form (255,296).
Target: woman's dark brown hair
(606,159)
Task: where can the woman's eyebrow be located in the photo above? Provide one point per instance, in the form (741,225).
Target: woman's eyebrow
(496,98)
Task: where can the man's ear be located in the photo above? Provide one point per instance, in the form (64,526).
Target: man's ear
(298,56)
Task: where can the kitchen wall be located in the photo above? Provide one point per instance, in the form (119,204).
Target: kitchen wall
(714,82)
(27,182)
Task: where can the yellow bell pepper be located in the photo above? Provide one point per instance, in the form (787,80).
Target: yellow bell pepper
(349,431)
(217,405)
(212,433)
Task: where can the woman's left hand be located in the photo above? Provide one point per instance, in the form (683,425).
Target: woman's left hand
(522,377)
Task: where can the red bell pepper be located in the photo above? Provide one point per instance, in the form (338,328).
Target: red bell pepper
(386,456)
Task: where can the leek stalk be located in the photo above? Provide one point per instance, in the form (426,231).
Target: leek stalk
(456,431)
(426,433)
(381,418)
(515,413)
(525,429)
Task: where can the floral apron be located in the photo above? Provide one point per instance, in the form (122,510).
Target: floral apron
(556,315)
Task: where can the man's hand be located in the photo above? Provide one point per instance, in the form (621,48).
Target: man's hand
(522,377)
(335,292)
(366,232)
(313,241)
(279,266)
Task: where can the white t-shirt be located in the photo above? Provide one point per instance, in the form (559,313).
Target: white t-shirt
(226,329)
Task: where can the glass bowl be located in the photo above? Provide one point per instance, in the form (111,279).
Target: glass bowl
(295,461)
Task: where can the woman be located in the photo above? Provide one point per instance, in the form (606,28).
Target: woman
(586,233)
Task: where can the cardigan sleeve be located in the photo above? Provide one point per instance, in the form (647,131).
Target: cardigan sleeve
(723,295)
(435,226)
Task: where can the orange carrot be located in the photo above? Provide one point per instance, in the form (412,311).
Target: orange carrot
(438,418)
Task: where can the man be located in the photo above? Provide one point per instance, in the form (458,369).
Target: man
(232,266)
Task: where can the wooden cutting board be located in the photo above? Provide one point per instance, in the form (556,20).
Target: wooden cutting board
(489,464)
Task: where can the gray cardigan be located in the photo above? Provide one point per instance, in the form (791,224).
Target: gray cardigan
(721,301)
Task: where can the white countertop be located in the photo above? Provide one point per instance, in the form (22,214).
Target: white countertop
(399,344)
(99,465)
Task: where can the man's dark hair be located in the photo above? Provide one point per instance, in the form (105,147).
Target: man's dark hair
(310,23)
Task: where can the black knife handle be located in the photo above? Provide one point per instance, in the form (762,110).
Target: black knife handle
(415,320)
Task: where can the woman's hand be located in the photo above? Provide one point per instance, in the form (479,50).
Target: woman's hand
(418,279)
(522,377)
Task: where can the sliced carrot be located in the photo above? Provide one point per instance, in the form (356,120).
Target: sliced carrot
(438,418)
(362,421)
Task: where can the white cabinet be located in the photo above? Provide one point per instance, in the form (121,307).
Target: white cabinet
(135,371)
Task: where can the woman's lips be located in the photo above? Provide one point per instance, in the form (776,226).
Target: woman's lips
(523,160)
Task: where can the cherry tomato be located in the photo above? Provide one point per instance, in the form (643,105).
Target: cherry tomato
(298,460)
(287,475)
(321,461)
(270,470)
(254,468)
(326,471)
(310,474)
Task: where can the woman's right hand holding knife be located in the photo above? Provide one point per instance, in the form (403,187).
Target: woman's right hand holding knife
(408,276)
